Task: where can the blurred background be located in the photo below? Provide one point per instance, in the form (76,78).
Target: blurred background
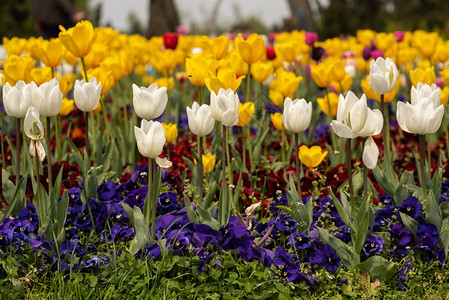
(327,17)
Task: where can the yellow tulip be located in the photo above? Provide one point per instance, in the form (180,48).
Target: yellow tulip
(252,49)
(276,119)
(140,69)
(388,97)
(441,53)
(219,46)
(338,69)
(69,58)
(426,76)
(67,107)
(104,76)
(235,62)
(198,68)
(444,95)
(17,68)
(260,71)
(344,85)
(246,112)
(209,161)
(225,79)
(331,99)
(49,52)
(276,97)
(98,53)
(445,76)
(15,45)
(385,41)
(78,39)
(365,36)
(322,74)
(167,82)
(66,82)
(286,83)
(171,132)
(164,61)
(287,51)
(425,42)
(40,75)
(311,157)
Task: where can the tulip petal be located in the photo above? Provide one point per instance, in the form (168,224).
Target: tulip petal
(370,153)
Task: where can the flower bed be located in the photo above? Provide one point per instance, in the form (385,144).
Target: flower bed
(255,195)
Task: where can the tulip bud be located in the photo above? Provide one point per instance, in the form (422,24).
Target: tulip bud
(246,112)
(225,107)
(171,132)
(87,94)
(149,103)
(35,131)
(170,40)
(200,119)
(47,98)
(18,98)
(297,115)
(383,75)
(209,161)
(150,138)
(311,157)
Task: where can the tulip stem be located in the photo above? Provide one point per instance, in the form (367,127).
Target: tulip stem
(49,174)
(153,199)
(86,116)
(250,150)
(18,134)
(422,161)
(228,157)
(200,169)
(446,136)
(365,181)
(385,128)
(223,155)
(248,83)
(298,174)
(36,165)
(3,146)
(84,69)
(351,187)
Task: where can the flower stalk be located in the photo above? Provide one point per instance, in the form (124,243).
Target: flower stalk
(17,149)
(298,174)
(49,172)
(351,186)
(200,169)
(422,161)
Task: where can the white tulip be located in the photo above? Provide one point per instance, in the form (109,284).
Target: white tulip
(35,131)
(200,119)
(47,98)
(87,94)
(383,75)
(297,115)
(150,138)
(355,118)
(225,107)
(424,114)
(149,103)
(18,98)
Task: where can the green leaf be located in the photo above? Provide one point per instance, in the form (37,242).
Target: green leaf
(141,228)
(224,206)
(379,268)
(341,211)
(361,229)
(76,153)
(257,150)
(347,256)
(193,217)
(444,235)
(409,223)
(304,216)
(386,185)
(432,211)
(16,202)
(207,219)
(129,212)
